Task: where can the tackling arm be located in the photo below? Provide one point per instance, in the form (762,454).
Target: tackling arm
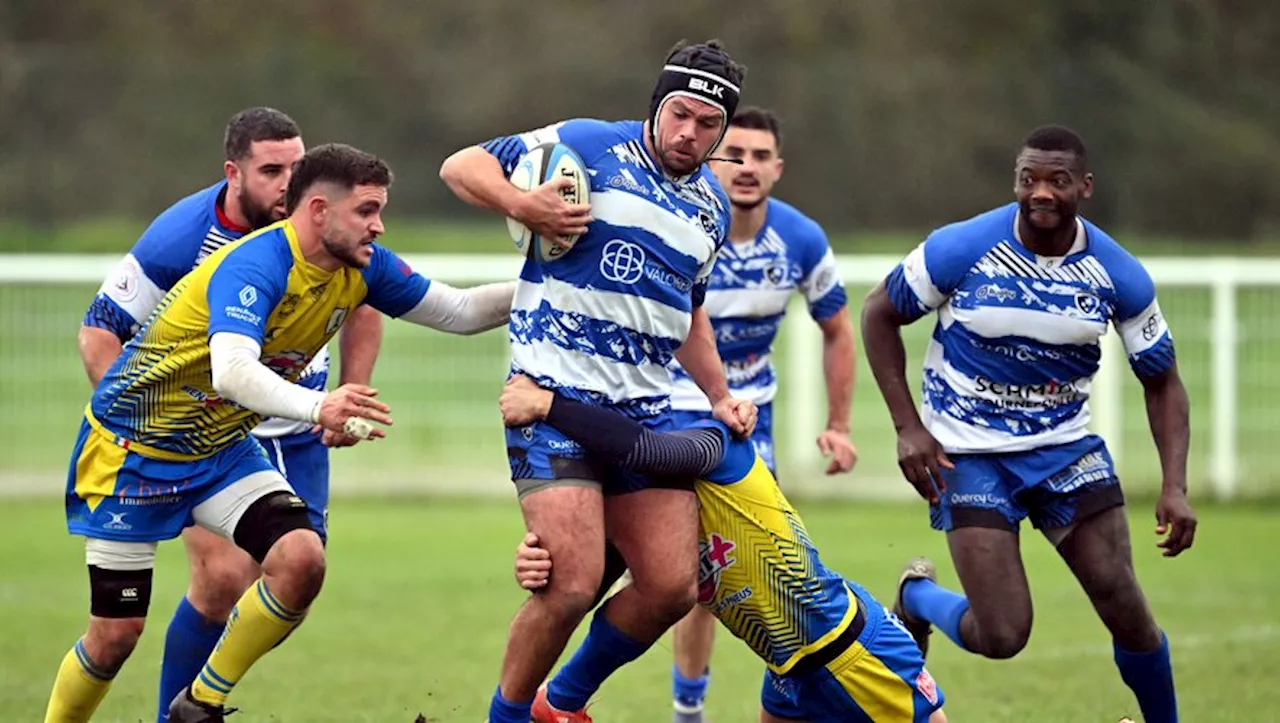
(613,437)
(463,311)
(882,339)
(700,358)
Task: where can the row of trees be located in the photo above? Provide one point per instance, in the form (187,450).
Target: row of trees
(899,114)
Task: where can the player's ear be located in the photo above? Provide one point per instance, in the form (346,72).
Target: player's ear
(777,168)
(1087,191)
(232,173)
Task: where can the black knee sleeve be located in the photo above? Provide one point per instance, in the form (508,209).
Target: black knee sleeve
(268,519)
(614,568)
(119,593)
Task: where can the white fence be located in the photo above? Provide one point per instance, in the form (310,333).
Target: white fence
(1213,332)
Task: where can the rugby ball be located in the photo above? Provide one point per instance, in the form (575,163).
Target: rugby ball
(541,164)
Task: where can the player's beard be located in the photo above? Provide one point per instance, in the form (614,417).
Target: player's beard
(348,254)
(257,215)
(749,205)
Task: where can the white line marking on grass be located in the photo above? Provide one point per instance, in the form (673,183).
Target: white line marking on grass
(1247,635)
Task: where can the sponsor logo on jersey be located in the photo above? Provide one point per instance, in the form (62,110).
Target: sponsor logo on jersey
(715,555)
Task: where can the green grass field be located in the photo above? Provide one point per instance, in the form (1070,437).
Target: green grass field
(443,390)
(419,594)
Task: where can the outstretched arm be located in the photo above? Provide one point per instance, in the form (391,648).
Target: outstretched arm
(611,436)
(463,311)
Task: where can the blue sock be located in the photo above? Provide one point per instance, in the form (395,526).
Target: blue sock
(502,710)
(927,600)
(689,692)
(1150,676)
(187,645)
(604,650)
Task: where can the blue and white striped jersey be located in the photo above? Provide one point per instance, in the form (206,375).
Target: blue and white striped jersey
(177,241)
(1016,345)
(602,322)
(751,284)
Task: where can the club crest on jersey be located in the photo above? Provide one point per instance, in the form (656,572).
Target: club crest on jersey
(776,272)
(708,223)
(714,557)
(1087,304)
(288,304)
(335,321)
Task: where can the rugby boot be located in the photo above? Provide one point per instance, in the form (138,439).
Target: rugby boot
(919,568)
(544,712)
(185,709)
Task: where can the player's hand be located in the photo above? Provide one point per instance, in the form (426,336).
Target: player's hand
(524,402)
(533,563)
(837,445)
(1175,517)
(353,400)
(334,440)
(922,460)
(545,212)
(738,414)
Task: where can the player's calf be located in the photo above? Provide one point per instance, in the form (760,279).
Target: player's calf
(120,593)
(276,531)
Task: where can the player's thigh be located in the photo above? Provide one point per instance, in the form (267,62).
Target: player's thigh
(304,461)
(568,518)
(254,505)
(1099,554)
(656,530)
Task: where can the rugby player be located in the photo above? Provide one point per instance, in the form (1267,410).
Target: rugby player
(832,652)
(261,146)
(600,324)
(166,438)
(1024,293)
(773,252)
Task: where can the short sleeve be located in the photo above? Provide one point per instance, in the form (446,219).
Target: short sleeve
(929,275)
(394,287)
(510,149)
(1142,327)
(243,290)
(820,283)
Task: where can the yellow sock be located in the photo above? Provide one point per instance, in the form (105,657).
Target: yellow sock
(78,689)
(256,624)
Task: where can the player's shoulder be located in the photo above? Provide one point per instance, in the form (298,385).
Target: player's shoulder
(592,137)
(175,236)
(794,226)
(981,231)
(270,247)
(951,250)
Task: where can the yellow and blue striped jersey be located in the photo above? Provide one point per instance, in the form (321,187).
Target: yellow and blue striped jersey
(158,400)
(759,573)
